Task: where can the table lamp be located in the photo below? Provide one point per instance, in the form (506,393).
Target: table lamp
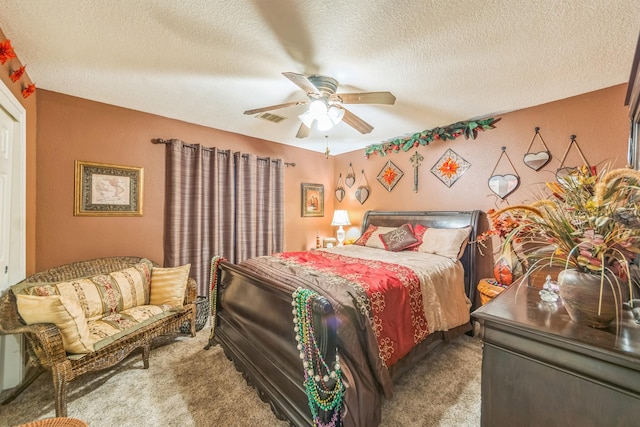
(340,218)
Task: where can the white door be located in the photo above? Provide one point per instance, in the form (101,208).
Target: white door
(12,222)
(6,143)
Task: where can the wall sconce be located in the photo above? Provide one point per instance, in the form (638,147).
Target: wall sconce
(340,218)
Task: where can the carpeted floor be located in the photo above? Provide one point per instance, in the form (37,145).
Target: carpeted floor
(188,386)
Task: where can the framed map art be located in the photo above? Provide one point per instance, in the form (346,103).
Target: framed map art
(107,190)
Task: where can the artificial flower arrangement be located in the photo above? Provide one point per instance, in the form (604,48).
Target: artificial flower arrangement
(587,222)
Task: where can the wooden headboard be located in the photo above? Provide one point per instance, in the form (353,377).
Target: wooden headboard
(439,219)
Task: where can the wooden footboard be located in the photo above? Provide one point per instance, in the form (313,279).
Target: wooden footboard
(259,339)
(254,325)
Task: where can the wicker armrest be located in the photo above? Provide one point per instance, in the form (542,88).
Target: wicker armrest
(191,293)
(46,344)
(44,338)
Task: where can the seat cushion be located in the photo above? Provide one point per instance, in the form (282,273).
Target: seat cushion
(104,331)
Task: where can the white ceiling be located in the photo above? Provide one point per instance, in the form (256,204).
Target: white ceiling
(207,61)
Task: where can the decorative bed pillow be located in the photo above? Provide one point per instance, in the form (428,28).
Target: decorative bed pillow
(101,294)
(448,242)
(418,231)
(371,237)
(169,284)
(63,312)
(400,239)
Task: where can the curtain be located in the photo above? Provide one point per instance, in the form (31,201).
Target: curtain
(220,203)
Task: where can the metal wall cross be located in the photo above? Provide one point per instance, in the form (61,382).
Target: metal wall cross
(415,161)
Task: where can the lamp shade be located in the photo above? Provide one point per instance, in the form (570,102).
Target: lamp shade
(340,217)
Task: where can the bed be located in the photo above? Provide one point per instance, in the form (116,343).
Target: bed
(254,323)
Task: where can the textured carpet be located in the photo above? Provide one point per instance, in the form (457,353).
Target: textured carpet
(188,386)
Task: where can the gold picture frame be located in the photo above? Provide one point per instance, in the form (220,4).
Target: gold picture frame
(312,199)
(107,190)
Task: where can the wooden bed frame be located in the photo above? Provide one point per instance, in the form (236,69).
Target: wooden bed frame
(254,321)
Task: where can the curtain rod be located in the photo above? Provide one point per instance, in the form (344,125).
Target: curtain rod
(184,144)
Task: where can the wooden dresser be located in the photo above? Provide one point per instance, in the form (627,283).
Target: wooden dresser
(541,369)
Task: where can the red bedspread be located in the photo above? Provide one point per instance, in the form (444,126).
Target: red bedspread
(395,306)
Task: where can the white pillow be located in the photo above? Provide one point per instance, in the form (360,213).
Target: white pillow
(448,242)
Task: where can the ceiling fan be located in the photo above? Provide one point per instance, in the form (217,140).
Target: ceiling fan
(326,106)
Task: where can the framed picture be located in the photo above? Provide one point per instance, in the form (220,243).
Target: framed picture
(312,199)
(107,190)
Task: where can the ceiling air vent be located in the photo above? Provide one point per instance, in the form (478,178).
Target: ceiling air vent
(271,117)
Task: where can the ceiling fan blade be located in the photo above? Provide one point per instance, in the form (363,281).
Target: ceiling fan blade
(303,131)
(274,107)
(364,98)
(302,82)
(356,122)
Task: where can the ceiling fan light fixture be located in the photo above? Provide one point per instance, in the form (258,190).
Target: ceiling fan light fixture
(307,119)
(324,123)
(335,114)
(318,109)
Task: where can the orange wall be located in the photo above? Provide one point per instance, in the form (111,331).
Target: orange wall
(77,129)
(29,105)
(599,120)
(72,129)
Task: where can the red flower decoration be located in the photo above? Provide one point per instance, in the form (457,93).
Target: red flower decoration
(27,91)
(15,76)
(449,168)
(389,175)
(6,51)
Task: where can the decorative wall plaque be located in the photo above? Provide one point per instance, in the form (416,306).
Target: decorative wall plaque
(450,167)
(390,175)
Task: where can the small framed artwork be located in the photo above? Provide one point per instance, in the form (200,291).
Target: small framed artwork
(312,199)
(107,190)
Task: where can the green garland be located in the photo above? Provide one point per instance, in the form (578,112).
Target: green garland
(469,129)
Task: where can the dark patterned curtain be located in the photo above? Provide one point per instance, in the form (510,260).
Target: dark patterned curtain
(220,203)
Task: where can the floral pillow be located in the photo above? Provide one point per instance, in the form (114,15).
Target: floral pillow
(400,239)
(371,237)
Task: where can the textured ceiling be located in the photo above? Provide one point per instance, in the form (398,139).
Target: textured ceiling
(205,61)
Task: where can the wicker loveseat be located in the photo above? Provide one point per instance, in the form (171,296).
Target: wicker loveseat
(117,283)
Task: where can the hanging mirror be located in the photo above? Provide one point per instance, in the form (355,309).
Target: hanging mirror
(350,179)
(340,189)
(503,185)
(362,192)
(537,160)
(563,170)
